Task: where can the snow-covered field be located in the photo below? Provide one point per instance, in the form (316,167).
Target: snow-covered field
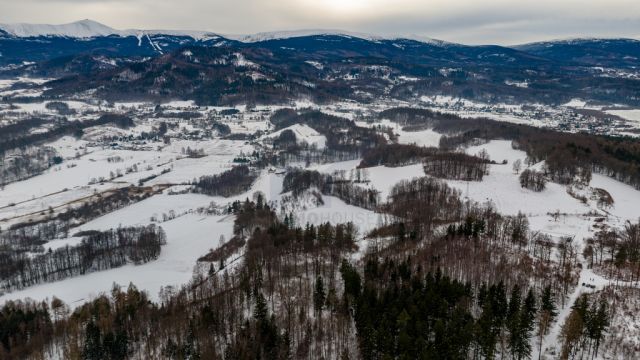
(383,178)
(94,172)
(304,134)
(92,165)
(188,238)
(632,115)
(503,189)
(426,137)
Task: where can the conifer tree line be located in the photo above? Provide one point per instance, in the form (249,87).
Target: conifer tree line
(402,312)
(97,251)
(310,156)
(585,327)
(394,155)
(456,166)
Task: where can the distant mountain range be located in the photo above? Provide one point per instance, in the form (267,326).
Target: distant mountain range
(593,52)
(89,29)
(317,64)
(37,42)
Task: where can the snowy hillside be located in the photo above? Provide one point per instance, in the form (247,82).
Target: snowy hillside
(315,193)
(304,134)
(280,35)
(78,29)
(90,29)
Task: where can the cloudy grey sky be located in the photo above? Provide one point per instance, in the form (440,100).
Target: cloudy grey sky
(465,21)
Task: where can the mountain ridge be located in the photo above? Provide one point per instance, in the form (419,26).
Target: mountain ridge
(88,28)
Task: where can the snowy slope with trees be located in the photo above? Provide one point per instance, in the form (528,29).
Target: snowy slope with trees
(318,226)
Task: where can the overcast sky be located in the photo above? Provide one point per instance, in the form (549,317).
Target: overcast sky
(464,21)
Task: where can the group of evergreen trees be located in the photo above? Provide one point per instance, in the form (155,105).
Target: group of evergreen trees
(24,325)
(394,155)
(402,313)
(584,329)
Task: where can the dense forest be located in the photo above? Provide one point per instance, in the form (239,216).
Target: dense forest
(456,166)
(295,295)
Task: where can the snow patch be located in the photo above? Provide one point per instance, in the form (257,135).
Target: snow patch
(304,134)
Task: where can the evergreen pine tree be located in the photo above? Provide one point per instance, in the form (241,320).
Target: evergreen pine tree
(526,321)
(547,314)
(514,306)
(92,349)
(547,303)
(319,295)
(601,323)
(513,319)
(260,312)
(190,348)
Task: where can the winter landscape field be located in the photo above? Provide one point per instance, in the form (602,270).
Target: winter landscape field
(316,195)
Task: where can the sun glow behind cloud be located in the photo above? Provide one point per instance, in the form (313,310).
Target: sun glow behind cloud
(341,6)
(345,9)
